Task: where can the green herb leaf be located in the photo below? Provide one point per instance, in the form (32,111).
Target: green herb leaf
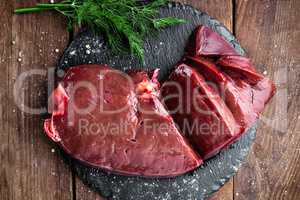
(167,21)
(124,23)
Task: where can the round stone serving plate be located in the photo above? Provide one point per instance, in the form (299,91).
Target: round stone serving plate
(163,51)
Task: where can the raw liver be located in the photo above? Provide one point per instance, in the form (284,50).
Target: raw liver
(148,145)
(205,42)
(244,91)
(230,88)
(199,111)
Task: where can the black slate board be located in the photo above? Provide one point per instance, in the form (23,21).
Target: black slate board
(163,50)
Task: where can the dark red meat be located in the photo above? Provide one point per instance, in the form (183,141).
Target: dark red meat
(199,110)
(206,42)
(230,93)
(244,91)
(115,121)
(241,67)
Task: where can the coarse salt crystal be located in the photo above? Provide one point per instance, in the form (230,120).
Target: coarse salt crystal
(73,52)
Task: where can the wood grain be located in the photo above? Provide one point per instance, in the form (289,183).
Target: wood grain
(219,9)
(31,170)
(5,60)
(84,193)
(270,31)
(225,193)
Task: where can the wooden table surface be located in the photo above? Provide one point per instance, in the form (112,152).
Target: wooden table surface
(30,167)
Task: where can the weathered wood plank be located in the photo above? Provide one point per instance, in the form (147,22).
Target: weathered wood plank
(5,55)
(225,193)
(221,10)
(270,31)
(31,169)
(84,193)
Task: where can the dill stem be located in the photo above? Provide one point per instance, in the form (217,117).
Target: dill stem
(57,5)
(30,10)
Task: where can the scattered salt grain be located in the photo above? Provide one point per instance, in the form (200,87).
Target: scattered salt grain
(51,1)
(53,150)
(265,72)
(88,51)
(73,52)
(56,50)
(13,42)
(19,59)
(87,46)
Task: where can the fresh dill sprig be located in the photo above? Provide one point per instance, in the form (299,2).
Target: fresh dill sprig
(124,23)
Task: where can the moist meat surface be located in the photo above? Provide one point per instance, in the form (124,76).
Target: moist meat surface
(219,93)
(115,121)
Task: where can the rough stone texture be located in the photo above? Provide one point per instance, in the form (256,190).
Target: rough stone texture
(163,50)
